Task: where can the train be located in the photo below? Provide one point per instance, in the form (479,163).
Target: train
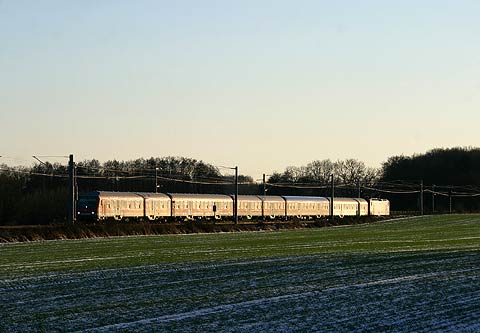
(106,205)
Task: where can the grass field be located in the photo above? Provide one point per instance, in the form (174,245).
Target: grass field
(419,274)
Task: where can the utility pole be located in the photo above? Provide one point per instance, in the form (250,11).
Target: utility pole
(235,208)
(156,184)
(71,192)
(264,186)
(433,199)
(421,197)
(450,200)
(359,189)
(333,195)
(264,195)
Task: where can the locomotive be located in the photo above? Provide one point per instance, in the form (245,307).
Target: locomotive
(103,205)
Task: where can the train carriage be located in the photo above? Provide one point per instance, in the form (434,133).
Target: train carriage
(249,206)
(117,205)
(273,206)
(120,205)
(345,207)
(156,205)
(302,207)
(201,205)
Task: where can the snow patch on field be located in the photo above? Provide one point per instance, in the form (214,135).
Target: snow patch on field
(261,301)
(376,292)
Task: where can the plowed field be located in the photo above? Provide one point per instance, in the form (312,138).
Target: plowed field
(419,274)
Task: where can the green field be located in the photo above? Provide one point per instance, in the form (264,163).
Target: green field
(402,275)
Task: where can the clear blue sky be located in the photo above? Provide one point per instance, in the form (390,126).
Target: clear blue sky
(258,84)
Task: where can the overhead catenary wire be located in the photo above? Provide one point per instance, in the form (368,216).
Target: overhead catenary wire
(389,191)
(283,185)
(52,156)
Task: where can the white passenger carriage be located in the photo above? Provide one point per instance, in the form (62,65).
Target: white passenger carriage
(273,206)
(249,206)
(349,207)
(119,205)
(201,205)
(303,207)
(157,205)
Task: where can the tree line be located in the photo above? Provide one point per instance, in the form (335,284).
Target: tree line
(38,194)
(446,173)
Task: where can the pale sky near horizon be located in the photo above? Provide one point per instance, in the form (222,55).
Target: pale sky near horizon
(258,84)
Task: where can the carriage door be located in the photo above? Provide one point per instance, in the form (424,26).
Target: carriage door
(173,209)
(117,207)
(190,208)
(101,208)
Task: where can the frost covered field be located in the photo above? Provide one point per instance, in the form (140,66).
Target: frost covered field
(419,274)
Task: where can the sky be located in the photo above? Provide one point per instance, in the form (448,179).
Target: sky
(258,84)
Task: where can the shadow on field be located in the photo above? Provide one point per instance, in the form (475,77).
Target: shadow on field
(92,230)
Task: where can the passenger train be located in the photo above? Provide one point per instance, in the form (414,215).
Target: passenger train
(102,205)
